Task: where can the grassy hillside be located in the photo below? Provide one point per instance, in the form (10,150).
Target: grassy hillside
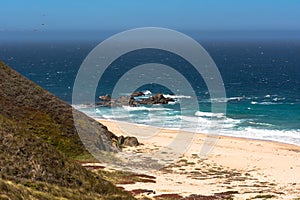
(38,144)
(46,116)
(30,167)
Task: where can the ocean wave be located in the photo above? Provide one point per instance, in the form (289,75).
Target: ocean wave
(253,100)
(205,123)
(115,116)
(147,92)
(285,136)
(81,106)
(201,122)
(177,96)
(208,114)
(278,99)
(172,103)
(267,96)
(261,124)
(225,100)
(263,103)
(268,103)
(141,108)
(218,100)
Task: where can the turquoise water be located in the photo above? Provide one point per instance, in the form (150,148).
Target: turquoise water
(261,78)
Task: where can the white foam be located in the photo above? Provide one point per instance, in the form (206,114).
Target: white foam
(177,96)
(202,122)
(81,106)
(285,136)
(235,98)
(267,96)
(261,124)
(147,92)
(278,99)
(115,116)
(171,103)
(225,100)
(139,108)
(267,103)
(218,100)
(208,114)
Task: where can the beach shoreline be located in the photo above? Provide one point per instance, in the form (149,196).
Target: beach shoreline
(245,167)
(203,134)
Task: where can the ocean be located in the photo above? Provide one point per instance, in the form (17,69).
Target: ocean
(261,79)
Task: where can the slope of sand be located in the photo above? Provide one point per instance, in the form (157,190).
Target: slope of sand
(247,168)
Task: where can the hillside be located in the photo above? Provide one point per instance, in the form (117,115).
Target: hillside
(46,116)
(38,144)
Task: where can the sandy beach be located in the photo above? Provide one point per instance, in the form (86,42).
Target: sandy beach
(245,168)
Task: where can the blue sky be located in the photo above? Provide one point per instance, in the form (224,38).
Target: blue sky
(70,15)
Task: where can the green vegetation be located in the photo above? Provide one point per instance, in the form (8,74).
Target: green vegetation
(44,115)
(30,166)
(87,157)
(46,191)
(39,145)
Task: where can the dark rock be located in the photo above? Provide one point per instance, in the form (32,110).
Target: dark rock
(115,143)
(157,99)
(137,94)
(133,102)
(106,97)
(110,135)
(159,96)
(130,141)
(121,139)
(121,101)
(107,101)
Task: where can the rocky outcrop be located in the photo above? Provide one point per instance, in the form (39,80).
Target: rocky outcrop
(131,100)
(130,141)
(106,97)
(156,99)
(120,141)
(121,101)
(137,94)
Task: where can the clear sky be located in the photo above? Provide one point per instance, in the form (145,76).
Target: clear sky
(70,15)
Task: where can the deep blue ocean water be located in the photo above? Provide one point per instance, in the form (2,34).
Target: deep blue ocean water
(261,77)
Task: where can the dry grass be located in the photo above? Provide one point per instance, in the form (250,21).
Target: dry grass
(38,144)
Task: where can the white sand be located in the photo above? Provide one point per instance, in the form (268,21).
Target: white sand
(251,167)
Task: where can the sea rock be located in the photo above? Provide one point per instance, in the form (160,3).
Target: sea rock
(156,99)
(133,102)
(107,101)
(137,94)
(121,101)
(130,141)
(106,97)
